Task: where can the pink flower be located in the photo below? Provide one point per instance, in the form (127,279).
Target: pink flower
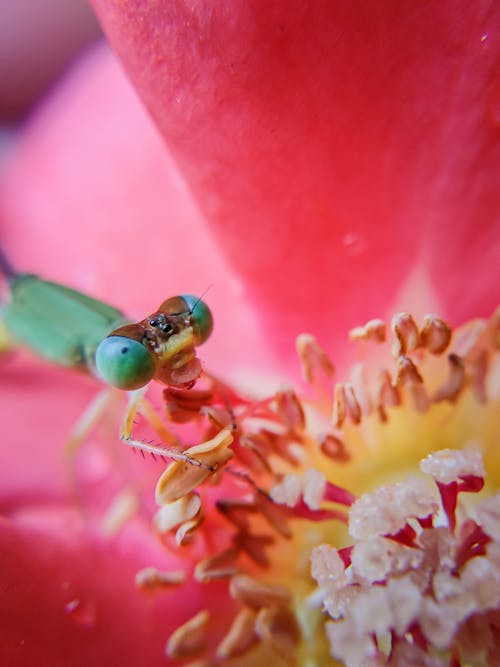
(327,164)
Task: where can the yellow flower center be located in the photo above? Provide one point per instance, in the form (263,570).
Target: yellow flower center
(280,481)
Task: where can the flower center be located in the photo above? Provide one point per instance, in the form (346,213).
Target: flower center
(289,474)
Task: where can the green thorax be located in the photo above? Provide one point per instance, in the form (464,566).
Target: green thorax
(57,322)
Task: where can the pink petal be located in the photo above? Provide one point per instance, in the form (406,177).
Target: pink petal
(89,181)
(68,596)
(333,146)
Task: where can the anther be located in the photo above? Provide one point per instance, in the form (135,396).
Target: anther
(435,334)
(313,358)
(173,514)
(278,627)
(179,479)
(189,638)
(152,579)
(409,377)
(254,546)
(255,594)
(241,636)
(387,395)
(451,389)
(493,328)
(290,410)
(406,334)
(345,404)
(373,330)
(334,448)
(220,566)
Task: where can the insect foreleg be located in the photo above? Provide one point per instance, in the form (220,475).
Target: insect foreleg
(139,403)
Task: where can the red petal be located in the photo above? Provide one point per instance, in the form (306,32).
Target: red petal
(68,596)
(326,142)
(90,182)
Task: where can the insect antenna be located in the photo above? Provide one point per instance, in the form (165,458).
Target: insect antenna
(191,311)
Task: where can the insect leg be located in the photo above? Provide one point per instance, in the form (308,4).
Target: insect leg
(88,420)
(157,423)
(91,416)
(138,403)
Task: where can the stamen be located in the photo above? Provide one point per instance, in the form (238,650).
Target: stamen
(275,515)
(345,404)
(373,330)
(452,388)
(450,465)
(290,410)
(313,488)
(488,513)
(359,382)
(241,636)
(314,359)
(478,364)
(409,377)
(334,447)
(375,558)
(406,334)
(288,491)
(278,628)
(173,514)
(152,579)
(302,511)
(254,546)
(327,567)
(435,334)
(218,416)
(255,594)
(386,510)
(337,494)
(180,478)
(402,559)
(219,566)
(424,595)
(387,394)
(189,638)
(349,644)
(237,511)
(473,543)
(258,444)
(494,329)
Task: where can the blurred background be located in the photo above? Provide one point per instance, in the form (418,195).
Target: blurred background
(79,179)
(38,40)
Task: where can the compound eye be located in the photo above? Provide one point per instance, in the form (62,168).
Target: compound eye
(201,317)
(124,362)
(167,328)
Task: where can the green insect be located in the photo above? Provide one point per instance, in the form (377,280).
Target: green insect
(74,330)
